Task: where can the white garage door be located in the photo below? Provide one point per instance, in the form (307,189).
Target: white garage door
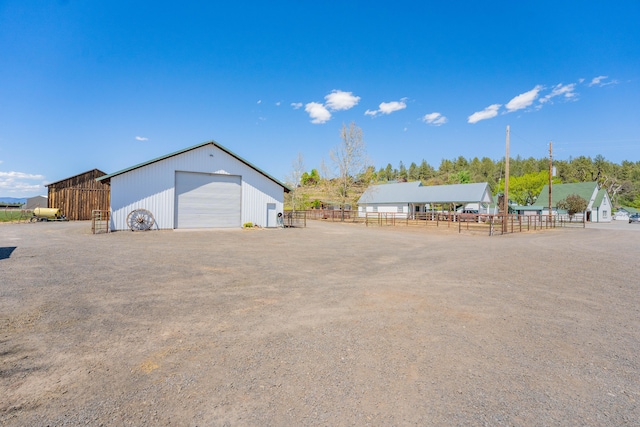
(207,200)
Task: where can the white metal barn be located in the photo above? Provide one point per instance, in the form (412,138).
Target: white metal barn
(204,186)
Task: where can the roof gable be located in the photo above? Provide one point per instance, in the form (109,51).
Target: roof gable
(215,144)
(84,176)
(601,197)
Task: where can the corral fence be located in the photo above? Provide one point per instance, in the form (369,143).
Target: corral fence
(15,214)
(296,219)
(490,224)
(100,221)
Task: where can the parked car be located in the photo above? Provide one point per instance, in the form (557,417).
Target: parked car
(634,218)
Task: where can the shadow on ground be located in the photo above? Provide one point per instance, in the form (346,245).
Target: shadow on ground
(5,252)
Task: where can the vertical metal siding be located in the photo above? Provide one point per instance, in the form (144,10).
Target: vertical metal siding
(152,187)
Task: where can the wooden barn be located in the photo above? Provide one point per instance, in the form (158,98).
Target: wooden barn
(78,195)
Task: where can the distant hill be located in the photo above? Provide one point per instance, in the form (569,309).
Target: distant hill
(13,200)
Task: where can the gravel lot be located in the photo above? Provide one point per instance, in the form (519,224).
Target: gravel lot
(335,324)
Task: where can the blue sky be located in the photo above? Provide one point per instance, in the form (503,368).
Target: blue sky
(108,85)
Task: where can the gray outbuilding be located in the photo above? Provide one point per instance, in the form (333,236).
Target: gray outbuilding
(203,186)
(36,202)
(408,198)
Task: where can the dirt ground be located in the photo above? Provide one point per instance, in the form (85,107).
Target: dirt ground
(334,324)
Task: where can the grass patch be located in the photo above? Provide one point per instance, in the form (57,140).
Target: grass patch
(9,215)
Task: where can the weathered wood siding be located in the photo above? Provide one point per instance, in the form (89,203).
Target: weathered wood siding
(78,195)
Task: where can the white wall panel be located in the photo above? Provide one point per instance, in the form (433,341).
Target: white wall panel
(152,187)
(208,200)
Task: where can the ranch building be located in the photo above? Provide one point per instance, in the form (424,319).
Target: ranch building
(36,202)
(78,195)
(405,199)
(204,186)
(599,207)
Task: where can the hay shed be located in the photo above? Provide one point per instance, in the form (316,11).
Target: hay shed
(78,195)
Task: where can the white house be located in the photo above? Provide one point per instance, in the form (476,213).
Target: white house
(599,208)
(204,186)
(406,198)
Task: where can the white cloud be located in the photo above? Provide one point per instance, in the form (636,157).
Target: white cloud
(317,112)
(488,113)
(141,138)
(523,100)
(388,107)
(278,104)
(338,100)
(296,105)
(17,183)
(599,81)
(20,175)
(566,91)
(435,119)
(259,101)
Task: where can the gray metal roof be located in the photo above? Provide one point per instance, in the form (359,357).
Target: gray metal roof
(415,192)
(226,150)
(399,192)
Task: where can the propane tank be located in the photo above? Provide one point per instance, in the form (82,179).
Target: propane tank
(49,213)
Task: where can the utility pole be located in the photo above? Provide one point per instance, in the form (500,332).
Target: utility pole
(550,180)
(505,200)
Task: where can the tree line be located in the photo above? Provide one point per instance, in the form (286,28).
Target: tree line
(351,173)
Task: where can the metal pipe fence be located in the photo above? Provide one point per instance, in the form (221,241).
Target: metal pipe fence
(294,219)
(100,221)
(490,224)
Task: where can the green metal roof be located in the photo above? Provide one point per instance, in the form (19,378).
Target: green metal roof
(215,144)
(561,191)
(629,209)
(527,208)
(599,197)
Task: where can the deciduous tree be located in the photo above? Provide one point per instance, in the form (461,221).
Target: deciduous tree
(573,204)
(349,159)
(294,180)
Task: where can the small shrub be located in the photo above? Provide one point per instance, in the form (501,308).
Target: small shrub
(247,225)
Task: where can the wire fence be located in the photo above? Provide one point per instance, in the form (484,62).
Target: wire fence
(490,224)
(11,214)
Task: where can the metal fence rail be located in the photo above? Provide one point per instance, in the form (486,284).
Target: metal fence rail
(490,224)
(334,215)
(294,219)
(13,214)
(100,221)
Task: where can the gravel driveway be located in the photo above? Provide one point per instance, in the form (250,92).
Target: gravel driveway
(335,324)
